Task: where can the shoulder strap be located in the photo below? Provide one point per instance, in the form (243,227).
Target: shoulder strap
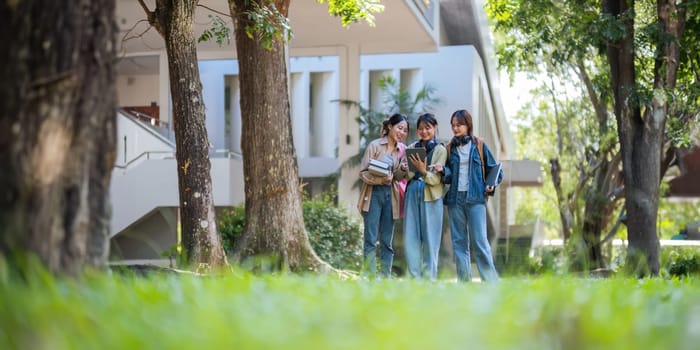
(480,148)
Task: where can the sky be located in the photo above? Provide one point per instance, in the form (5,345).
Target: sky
(515,96)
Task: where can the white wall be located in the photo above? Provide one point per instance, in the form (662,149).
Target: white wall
(139,189)
(138,90)
(134,139)
(213,89)
(453,71)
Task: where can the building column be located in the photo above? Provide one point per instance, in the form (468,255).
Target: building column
(299,102)
(322,119)
(164,91)
(235,116)
(348,128)
(211,76)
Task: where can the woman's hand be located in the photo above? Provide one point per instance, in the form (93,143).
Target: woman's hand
(388,179)
(438,167)
(489,189)
(418,163)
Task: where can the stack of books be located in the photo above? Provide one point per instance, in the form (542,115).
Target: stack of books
(379,168)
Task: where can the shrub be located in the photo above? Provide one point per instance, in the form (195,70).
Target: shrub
(550,260)
(231,224)
(680,261)
(334,234)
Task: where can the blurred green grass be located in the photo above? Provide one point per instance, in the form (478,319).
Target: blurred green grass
(244,311)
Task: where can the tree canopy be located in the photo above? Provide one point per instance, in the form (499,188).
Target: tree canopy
(636,63)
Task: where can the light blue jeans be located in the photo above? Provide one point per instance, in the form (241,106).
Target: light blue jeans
(379,221)
(468,225)
(423,232)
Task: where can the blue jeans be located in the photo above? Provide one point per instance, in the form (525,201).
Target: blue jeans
(468,225)
(379,221)
(423,232)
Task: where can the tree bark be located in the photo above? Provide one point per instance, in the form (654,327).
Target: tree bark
(641,139)
(200,238)
(599,202)
(274,218)
(564,208)
(640,160)
(57,132)
(597,212)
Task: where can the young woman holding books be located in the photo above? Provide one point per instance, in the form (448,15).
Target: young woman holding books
(423,220)
(469,162)
(379,200)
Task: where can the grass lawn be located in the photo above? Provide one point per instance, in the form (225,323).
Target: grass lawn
(243,311)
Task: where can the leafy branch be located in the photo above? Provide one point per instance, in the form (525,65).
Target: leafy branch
(354,11)
(268,25)
(218,30)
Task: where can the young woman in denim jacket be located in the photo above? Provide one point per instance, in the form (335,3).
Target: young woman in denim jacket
(466,198)
(379,200)
(423,219)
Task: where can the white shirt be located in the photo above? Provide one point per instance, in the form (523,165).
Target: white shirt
(464,156)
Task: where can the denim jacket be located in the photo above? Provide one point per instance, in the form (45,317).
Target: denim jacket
(475,192)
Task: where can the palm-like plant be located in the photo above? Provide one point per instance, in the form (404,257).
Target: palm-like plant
(396,100)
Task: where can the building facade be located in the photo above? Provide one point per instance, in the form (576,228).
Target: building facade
(444,44)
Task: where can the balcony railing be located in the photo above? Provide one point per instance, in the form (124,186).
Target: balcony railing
(217,153)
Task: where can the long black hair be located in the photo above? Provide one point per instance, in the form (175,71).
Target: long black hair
(391,121)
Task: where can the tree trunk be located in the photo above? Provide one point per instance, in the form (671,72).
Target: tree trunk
(596,215)
(200,237)
(565,214)
(57,132)
(274,219)
(641,139)
(640,159)
(640,147)
(600,201)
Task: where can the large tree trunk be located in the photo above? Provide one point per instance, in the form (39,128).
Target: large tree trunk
(641,139)
(57,131)
(640,151)
(200,237)
(274,220)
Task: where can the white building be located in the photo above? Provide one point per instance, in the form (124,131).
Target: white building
(443,43)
